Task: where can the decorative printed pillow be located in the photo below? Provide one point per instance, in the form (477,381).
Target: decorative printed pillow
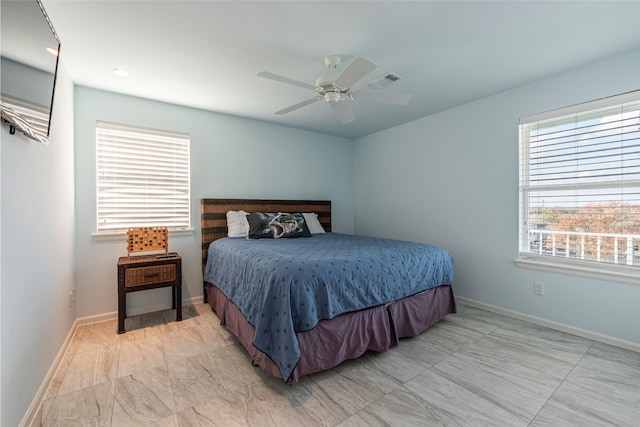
(264,225)
(259,225)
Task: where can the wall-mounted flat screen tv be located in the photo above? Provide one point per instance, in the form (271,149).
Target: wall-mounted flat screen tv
(30,50)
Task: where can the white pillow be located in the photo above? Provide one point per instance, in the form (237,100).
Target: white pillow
(312,222)
(237,224)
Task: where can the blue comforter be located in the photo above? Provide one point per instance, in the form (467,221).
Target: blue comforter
(284,286)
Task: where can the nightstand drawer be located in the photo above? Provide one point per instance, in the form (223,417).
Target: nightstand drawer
(148,275)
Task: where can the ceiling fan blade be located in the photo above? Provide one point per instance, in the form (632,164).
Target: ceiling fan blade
(359,68)
(298,105)
(342,109)
(268,75)
(386,97)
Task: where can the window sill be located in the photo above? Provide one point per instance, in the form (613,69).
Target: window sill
(122,235)
(586,269)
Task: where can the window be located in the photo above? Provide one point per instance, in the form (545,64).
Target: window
(142,178)
(580,185)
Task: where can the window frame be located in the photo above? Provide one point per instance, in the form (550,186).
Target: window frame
(527,258)
(178,193)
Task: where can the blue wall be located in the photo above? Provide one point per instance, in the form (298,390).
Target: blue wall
(37,255)
(452,179)
(231,157)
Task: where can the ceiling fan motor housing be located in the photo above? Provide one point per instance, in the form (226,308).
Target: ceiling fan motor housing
(325,83)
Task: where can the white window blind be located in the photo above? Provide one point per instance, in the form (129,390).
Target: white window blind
(580,183)
(142,178)
(30,118)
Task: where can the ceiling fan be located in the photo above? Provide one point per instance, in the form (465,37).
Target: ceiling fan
(335,89)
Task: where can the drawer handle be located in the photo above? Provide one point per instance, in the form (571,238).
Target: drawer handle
(147,276)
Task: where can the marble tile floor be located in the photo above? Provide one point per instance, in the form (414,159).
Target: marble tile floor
(474,368)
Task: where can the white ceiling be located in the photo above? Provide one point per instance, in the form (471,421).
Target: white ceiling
(207,54)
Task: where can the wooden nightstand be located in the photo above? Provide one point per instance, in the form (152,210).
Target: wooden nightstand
(139,273)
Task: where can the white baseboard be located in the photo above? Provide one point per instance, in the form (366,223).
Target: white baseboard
(134,312)
(31,414)
(36,404)
(629,345)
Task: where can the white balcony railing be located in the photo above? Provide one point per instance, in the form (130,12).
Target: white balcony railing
(603,247)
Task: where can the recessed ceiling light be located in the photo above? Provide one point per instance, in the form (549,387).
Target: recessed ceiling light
(120,72)
(52,51)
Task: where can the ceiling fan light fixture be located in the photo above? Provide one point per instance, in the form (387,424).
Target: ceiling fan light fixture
(332,97)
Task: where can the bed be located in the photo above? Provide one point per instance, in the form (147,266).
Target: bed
(301,326)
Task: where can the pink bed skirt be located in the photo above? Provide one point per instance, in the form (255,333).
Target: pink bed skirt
(344,337)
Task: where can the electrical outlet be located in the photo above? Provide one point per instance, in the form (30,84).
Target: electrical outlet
(538,288)
(72,297)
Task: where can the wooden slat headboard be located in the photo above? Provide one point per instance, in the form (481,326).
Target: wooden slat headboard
(213,215)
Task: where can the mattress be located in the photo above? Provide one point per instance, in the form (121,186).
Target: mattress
(286,286)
